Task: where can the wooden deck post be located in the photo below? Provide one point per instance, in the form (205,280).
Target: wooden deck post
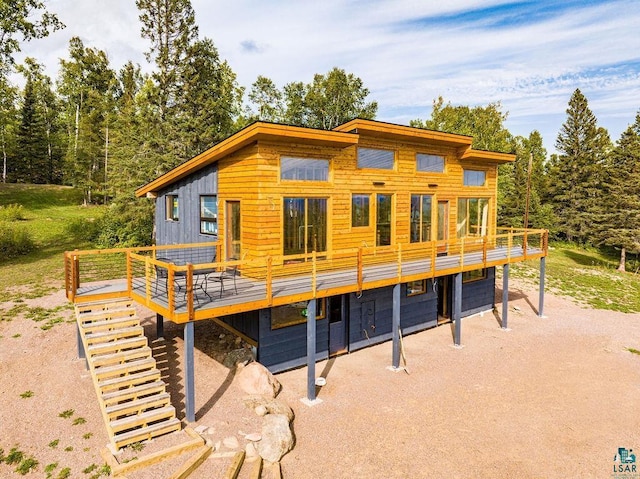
(311,350)
(505,295)
(543,264)
(395,327)
(457,307)
(189,389)
(159,326)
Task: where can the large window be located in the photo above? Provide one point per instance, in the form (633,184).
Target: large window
(429,163)
(303,169)
(375,158)
(420,218)
(415,288)
(172,208)
(296,313)
(304,225)
(473,216)
(383,220)
(359,210)
(475,275)
(475,177)
(209,214)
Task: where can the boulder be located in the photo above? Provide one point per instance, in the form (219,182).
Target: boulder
(242,356)
(255,379)
(263,406)
(277,437)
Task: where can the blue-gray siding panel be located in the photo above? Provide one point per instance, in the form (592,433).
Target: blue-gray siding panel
(279,346)
(187,228)
(479,295)
(246,323)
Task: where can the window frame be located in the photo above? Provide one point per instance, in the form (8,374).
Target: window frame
(321,313)
(421,197)
(306,168)
(368,167)
(212,220)
(417,292)
(366,216)
(430,155)
(285,239)
(469,277)
(467,219)
(172,208)
(469,177)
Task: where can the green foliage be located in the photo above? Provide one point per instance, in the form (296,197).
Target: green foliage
(68,449)
(49,468)
(79,420)
(577,173)
(64,473)
(27,465)
(66,414)
(136,446)
(53,444)
(633,351)
(15,456)
(26,394)
(12,212)
(15,240)
(88,435)
(90,469)
(126,224)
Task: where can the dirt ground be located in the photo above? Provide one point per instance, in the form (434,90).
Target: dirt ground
(552,397)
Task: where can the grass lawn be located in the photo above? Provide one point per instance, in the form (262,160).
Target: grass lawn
(49,211)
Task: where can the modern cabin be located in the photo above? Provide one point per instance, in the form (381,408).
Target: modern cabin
(372,229)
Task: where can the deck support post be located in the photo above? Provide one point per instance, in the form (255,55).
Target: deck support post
(505,295)
(395,328)
(159,326)
(189,389)
(81,351)
(543,267)
(311,351)
(457,307)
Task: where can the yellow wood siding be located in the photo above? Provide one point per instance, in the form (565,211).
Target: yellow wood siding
(252,176)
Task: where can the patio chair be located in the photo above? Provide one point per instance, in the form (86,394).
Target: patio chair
(163,274)
(228,273)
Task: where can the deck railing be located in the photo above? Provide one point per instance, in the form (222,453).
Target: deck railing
(168,279)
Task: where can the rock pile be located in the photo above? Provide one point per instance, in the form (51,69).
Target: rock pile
(262,388)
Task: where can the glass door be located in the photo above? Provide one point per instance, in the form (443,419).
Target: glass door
(232,231)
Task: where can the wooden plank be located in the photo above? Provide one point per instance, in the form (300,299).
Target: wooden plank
(236,464)
(257,469)
(118,358)
(155,458)
(145,433)
(138,406)
(124,369)
(191,465)
(116,346)
(101,337)
(109,385)
(135,392)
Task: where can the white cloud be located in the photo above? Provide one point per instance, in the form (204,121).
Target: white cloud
(408,51)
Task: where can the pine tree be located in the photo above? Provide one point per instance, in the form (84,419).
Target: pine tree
(619,224)
(8,123)
(577,181)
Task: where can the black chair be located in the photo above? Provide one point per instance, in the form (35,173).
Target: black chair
(163,274)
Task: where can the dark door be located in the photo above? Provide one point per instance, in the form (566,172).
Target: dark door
(443,226)
(337,325)
(444,299)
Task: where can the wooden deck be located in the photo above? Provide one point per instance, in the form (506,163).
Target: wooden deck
(204,299)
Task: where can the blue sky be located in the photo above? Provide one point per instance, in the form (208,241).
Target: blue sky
(529,55)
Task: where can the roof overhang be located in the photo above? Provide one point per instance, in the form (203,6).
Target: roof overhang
(392,131)
(255,132)
(487,156)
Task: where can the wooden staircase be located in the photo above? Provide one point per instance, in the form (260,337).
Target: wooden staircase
(133,398)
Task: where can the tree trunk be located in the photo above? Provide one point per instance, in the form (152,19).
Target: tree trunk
(623,260)
(4,158)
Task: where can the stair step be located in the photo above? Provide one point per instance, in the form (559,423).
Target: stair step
(142,420)
(96,306)
(119,358)
(137,406)
(114,334)
(145,433)
(129,380)
(128,368)
(135,392)
(109,321)
(116,346)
